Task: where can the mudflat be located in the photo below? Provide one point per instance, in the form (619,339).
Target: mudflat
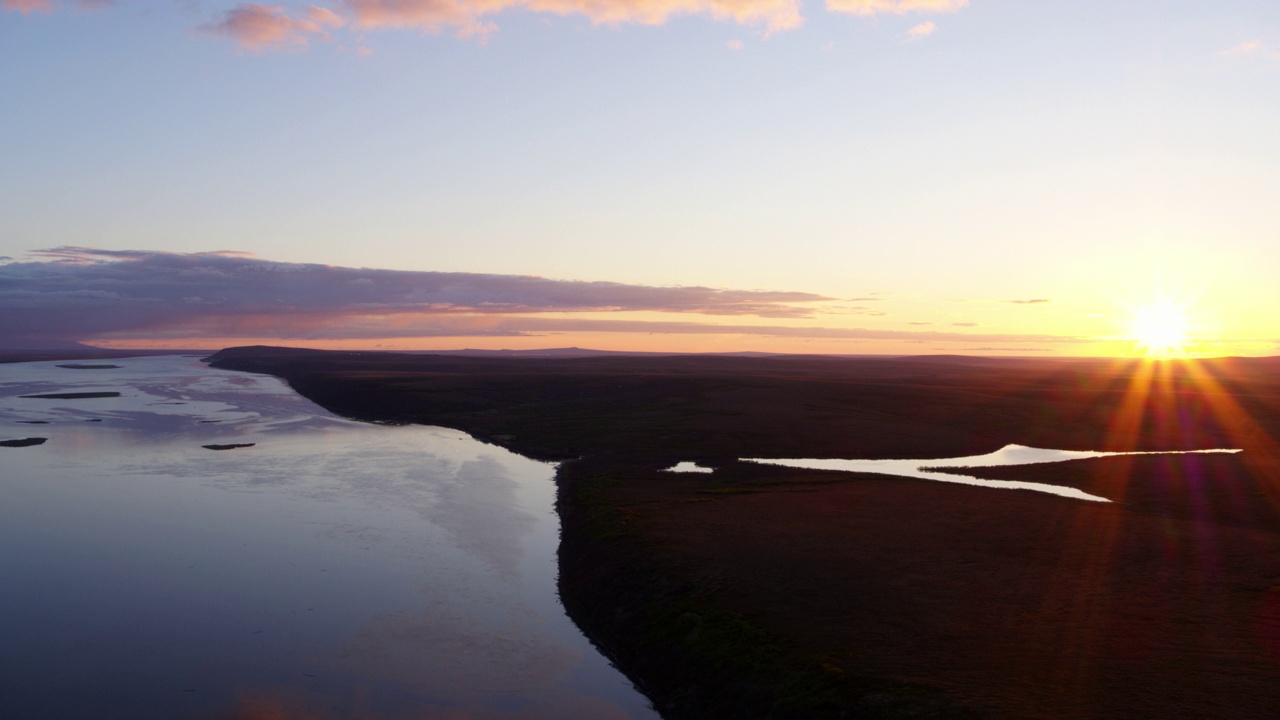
(764,591)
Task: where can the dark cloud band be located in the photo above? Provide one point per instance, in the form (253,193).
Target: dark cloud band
(78,293)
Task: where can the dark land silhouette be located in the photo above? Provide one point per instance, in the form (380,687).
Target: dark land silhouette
(73,395)
(763,591)
(24,442)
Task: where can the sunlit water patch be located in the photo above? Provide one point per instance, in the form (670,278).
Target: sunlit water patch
(318,567)
(689,467)
(1005,456)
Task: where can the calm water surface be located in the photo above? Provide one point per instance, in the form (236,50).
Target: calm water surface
(1005,456)
(334,569)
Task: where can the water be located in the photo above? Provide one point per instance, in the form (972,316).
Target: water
(333,569)
(1007,455)
(689,467)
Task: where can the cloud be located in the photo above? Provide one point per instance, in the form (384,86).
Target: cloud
(895,7)
(467,17)
(322,328)
(734,44)
(923,30)
(1244,48)
(26,7)
(965,324)
(80,293)
(257,27)
(842,309)
(687,328)
(1032,301)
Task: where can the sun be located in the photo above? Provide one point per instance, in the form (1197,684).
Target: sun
(1160,329)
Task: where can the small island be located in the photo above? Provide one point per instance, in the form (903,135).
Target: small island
(72,396)
(24,442)
(227,446)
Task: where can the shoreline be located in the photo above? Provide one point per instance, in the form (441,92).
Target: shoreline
(774,592)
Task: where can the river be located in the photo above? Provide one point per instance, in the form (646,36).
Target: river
(315,567)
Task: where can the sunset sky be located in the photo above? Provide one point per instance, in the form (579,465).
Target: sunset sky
(859,176)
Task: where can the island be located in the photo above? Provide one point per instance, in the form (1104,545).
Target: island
(759,591)
(24,442)
(73,395)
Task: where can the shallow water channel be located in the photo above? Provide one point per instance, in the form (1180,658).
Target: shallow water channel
(1005,456)
(317,567)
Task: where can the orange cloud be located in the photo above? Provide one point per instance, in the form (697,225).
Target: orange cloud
(258,27)
(896,7)
(924,29)
(466,17)
(1245,48)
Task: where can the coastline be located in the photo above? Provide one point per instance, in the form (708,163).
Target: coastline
(765,592)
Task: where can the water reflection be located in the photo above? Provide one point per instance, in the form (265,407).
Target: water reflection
(1007,455)
(332,569)
(689,467)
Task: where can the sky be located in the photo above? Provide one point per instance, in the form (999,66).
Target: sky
(992,177)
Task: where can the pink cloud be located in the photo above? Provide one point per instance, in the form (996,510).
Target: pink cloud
(258,27)
(895,7)
(26,7)
(466,17)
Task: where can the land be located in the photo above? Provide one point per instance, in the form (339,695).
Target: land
(23,442)
(73,395)
(228,446)
(762,591)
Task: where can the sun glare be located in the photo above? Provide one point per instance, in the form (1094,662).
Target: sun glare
(1160,329)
